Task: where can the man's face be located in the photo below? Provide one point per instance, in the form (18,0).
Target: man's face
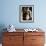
(25,9)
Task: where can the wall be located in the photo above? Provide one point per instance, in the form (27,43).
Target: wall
(10,13)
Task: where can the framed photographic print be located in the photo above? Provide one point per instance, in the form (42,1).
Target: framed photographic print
(26,13)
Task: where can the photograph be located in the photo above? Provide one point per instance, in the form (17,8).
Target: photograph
(26,13)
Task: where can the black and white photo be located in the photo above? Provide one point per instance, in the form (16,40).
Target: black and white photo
(26,13)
